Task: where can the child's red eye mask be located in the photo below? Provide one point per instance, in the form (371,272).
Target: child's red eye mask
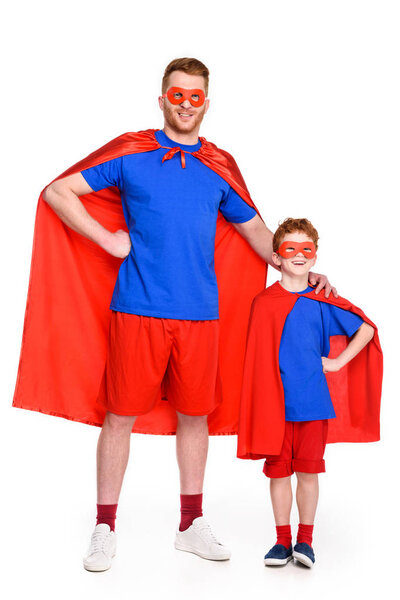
(177,95)
(289,249)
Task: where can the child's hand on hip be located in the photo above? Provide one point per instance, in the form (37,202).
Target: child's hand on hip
(330,365)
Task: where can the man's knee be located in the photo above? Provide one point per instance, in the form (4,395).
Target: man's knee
(118,422)
(192,421)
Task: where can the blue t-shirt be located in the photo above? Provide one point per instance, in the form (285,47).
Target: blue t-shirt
(171,214)
(305,339)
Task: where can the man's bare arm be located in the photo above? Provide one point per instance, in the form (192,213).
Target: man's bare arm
(63,197)
(257,234)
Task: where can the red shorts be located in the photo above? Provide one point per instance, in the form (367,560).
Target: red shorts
(302,449)
(144,351)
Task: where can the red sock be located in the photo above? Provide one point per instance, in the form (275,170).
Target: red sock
(305,533)
(283,535)
(107,513)
(191,508)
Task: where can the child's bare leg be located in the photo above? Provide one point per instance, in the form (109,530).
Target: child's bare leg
(281,497)
(307,496)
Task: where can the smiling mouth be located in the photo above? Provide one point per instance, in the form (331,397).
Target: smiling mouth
(299,262)
(185,115)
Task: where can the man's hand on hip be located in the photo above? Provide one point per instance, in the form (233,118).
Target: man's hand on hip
(63,197)
(117,243)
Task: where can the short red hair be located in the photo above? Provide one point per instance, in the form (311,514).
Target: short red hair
(192,66)
(290,226)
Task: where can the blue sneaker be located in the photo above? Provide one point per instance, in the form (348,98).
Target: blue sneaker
(304,554)
(278,555)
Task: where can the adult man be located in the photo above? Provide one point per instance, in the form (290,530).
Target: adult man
(164,325)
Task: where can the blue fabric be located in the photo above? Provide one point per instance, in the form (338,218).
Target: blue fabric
(306,550)
(305,339)
(280,552)
(171,215)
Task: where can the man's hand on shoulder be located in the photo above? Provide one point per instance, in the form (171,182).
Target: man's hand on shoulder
(323,283)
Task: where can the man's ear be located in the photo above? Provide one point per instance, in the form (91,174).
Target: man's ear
(207,105)
(161,102)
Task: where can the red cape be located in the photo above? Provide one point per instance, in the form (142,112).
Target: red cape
(355,390)
(71,282)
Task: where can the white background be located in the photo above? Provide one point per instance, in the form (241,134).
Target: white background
(305,95)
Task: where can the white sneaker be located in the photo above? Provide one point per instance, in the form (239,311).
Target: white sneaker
(200,540)
(102,549)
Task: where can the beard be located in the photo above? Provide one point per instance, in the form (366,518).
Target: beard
(174,122)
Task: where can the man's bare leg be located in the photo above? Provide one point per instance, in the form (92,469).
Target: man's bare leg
(112,456)
(191,452)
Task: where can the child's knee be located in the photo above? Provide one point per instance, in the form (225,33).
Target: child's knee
(280,480)
(306,478)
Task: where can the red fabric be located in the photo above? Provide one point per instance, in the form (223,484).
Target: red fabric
(289,249)
(172,153)
(191,508)
(283,535)
(144,350)
(71,281)
(185,95)
(302,449)
(304,534)
(355,389)
(107,513)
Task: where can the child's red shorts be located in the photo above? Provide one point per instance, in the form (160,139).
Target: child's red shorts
(141,350)
(302,449)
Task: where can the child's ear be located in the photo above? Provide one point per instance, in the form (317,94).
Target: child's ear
(276,259)
(314,260)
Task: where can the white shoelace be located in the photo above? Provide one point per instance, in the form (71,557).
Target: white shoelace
(206,534)
(98,542)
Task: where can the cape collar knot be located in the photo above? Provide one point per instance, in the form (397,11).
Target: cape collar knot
(204,150)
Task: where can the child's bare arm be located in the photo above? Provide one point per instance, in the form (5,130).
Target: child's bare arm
(360,339)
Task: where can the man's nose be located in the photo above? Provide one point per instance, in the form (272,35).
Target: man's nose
(186,104)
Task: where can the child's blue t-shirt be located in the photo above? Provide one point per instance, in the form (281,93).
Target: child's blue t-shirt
(171,213)
(305,339)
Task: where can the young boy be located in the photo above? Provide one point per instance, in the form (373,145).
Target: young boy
(287,414)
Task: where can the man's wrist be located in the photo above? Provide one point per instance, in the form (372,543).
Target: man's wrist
(104,238)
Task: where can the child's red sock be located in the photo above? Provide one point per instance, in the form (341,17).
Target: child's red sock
(305,534)
(107,513)
(191,508)
(283,535)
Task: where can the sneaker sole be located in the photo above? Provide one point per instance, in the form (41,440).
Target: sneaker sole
(303,559)
(97,569)
(277,561)
(201,554)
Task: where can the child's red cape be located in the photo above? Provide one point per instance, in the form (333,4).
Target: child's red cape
(70,287)
(355,390)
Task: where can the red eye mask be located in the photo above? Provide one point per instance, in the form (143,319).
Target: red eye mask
(289,249)
(177,95)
